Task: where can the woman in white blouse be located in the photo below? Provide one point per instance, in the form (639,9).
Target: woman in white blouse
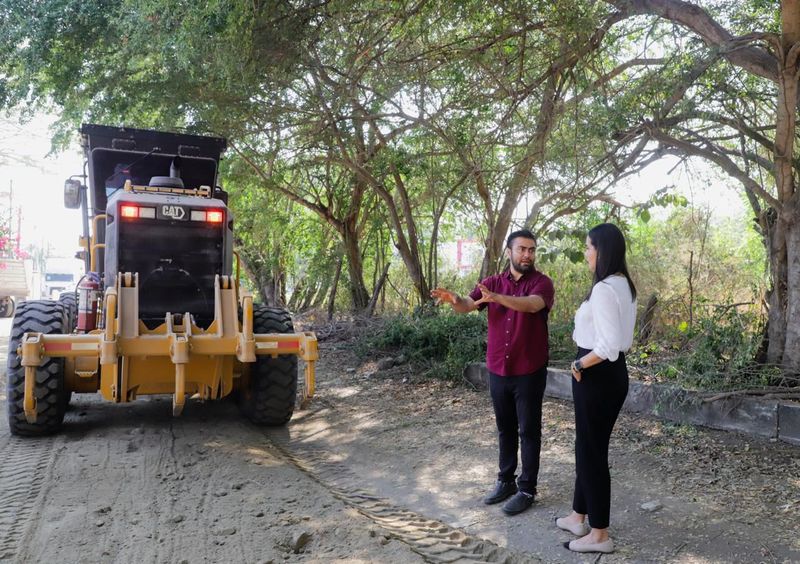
(603,332)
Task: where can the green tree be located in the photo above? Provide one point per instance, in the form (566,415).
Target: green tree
(729,95)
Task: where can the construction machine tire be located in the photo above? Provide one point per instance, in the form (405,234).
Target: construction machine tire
(38,316)
(268,394)
(69,300)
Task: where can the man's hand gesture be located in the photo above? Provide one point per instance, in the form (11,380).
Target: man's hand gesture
(487,296)
(443,295)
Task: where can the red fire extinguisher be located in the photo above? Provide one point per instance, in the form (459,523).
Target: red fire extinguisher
(88,292)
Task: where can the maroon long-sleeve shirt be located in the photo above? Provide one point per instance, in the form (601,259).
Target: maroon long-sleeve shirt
(517,342)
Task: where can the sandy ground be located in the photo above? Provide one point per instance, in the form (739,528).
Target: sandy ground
(381,467)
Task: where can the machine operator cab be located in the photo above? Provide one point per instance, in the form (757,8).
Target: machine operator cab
(162,218)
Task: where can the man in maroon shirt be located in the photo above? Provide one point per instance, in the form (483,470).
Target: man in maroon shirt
(518,302)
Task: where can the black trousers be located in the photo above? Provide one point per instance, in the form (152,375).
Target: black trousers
(598,399)
(517,404)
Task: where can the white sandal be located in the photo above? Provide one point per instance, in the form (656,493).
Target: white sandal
(578,529)
(605,547)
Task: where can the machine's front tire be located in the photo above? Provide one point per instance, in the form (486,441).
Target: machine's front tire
(267,396)
(39,316)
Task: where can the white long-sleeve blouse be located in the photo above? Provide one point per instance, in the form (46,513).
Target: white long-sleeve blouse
(604,324)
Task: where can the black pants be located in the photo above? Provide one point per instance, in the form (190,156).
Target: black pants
(598,399)
(517,404)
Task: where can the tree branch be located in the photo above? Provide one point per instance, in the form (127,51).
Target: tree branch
(717,158)
(735,49)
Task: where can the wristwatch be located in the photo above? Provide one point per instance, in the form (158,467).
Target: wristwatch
(577,365)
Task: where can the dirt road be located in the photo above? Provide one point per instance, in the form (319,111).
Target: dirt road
(383,467)
(132,484)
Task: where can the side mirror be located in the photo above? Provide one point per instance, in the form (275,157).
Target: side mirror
(72,194)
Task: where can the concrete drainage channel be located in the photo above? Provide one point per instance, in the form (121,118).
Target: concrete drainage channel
(432,540)
(771,419)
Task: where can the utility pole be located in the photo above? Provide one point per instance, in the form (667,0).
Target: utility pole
(19,229)
(8,223)
(10,203)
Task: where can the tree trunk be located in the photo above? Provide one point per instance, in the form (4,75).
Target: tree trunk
(777,294)
(493,248)
(298,295)
(495,241)
(355,269)
(378,289)
(271,293)
(781,221)
(406,245)
(791,352)
(334,286)
(413,262)
(646,320)
(784,313)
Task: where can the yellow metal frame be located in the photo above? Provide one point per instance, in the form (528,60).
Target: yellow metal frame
(201,192)
(126,359)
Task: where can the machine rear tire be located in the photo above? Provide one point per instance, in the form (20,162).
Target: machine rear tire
(39,316)
(69,301)
(268,394)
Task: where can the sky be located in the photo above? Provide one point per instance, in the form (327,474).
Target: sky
(38,188)
(702,185)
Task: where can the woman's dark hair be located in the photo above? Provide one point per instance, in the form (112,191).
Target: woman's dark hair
(610,244)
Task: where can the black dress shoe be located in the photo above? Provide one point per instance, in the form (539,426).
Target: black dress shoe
(518,503)
(501,491)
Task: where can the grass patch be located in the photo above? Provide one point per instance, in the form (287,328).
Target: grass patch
(438,344)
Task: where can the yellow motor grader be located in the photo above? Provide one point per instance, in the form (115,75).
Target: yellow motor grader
(160,309)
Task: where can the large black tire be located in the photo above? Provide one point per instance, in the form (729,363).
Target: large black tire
(39,316)
(69,300)
(268,393)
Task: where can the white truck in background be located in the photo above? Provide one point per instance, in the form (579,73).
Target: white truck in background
(61,274)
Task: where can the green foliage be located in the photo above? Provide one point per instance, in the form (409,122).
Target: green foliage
(282,239)
(700,338)
(716,353)
(561,242)
(661,198)
(562,347)
(722,343)
(378,129)
(727,263)
(441,344)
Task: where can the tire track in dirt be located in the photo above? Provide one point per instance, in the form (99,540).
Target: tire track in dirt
(23,472)
(433,540)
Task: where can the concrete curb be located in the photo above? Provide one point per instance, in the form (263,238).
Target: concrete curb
(764,418)
(789,423)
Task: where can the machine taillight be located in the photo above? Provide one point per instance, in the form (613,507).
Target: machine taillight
(208,216)
(129,211)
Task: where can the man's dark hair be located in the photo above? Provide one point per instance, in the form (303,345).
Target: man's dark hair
(524,233)
(610,244)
